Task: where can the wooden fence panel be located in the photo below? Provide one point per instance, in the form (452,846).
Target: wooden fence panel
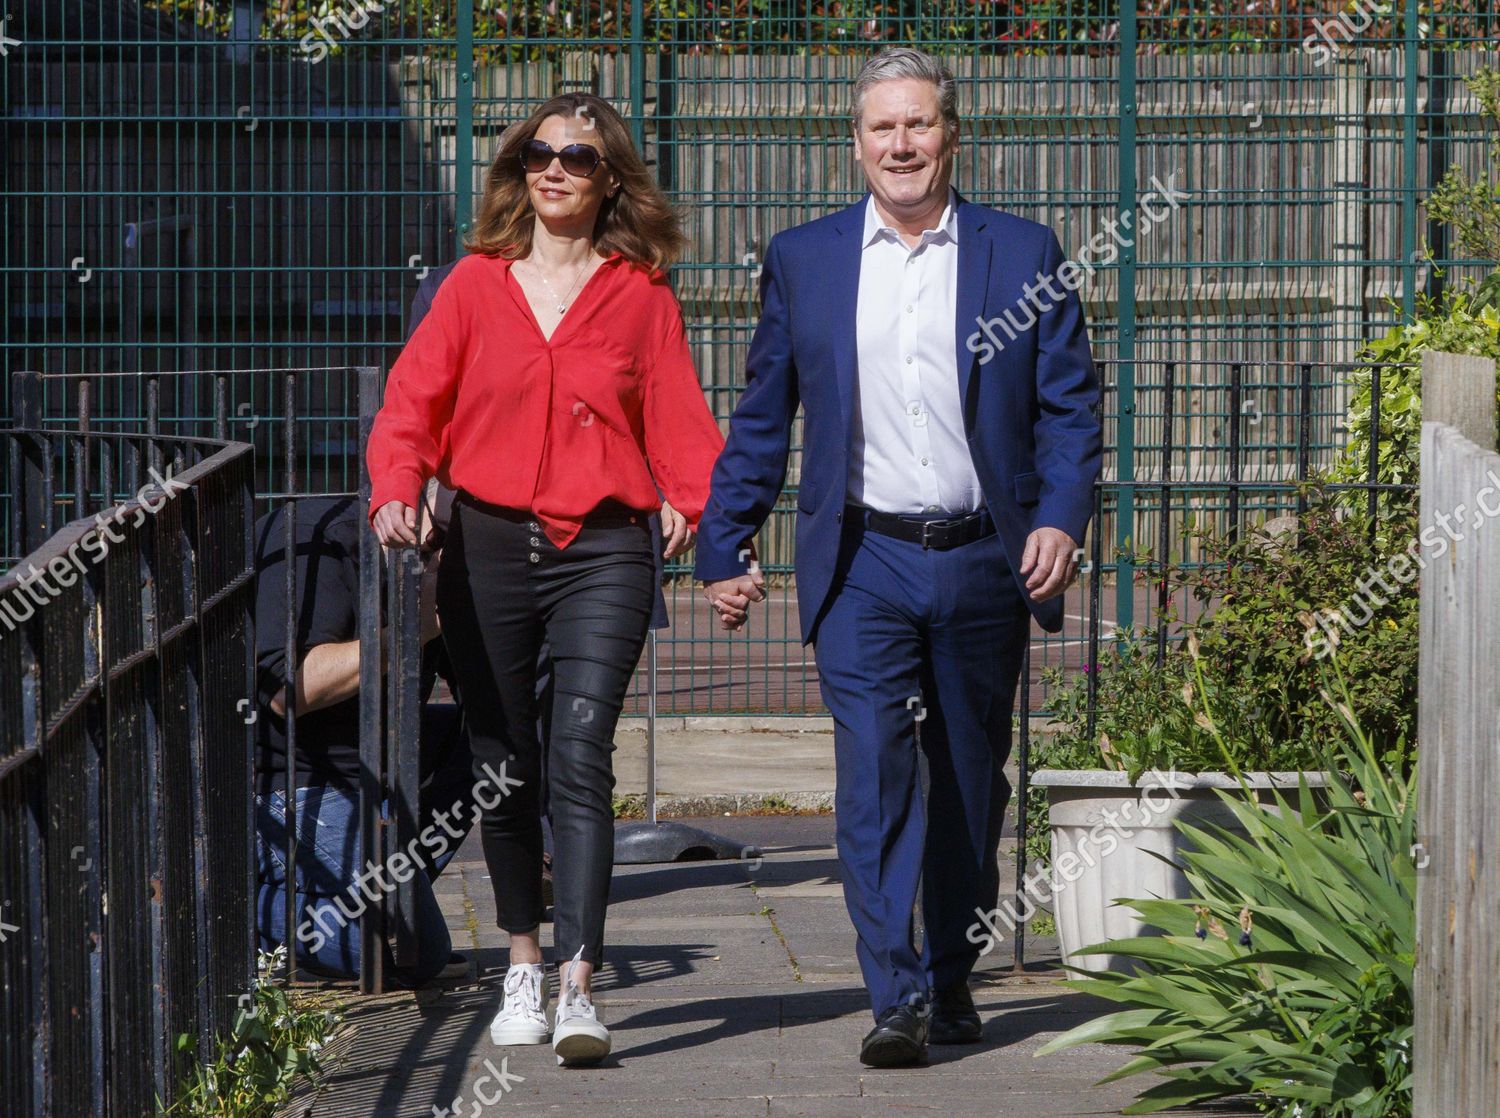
(1456,1050)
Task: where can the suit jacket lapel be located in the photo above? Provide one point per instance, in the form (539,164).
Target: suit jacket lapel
(843,296)
(973,282)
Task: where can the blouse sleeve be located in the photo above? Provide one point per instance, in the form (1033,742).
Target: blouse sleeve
(682,439)
(410,429)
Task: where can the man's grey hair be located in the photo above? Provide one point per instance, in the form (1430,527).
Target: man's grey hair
(896,63)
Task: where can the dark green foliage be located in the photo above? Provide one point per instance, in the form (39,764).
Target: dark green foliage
(1287,976)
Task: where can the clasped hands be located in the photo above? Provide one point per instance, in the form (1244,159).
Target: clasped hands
(1049,565)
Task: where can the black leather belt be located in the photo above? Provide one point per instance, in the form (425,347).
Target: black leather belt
(937,533)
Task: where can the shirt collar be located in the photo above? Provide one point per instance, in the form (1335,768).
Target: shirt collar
(947,223)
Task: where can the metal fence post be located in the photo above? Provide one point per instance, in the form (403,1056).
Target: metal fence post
(1125,341)
(638,75)
(371,695)
(463,138)
(29,511)
(1409,164)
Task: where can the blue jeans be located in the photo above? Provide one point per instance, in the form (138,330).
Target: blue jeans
(330,899)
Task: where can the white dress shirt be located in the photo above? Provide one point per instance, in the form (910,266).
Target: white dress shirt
(909,453)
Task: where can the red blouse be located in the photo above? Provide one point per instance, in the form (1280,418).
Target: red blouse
(609,407)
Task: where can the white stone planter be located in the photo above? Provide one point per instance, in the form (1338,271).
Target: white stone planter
(1106,835)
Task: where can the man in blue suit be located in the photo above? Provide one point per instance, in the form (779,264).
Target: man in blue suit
(947,481)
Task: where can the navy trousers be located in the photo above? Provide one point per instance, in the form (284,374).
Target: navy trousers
(919,643)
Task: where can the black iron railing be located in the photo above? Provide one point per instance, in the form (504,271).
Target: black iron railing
(308,454)
(124,763)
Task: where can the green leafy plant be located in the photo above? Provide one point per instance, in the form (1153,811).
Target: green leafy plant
(1036,27)
(1461,320)
(1472,208)
(276,1039)
(1257,594)
(1305,1003)
(1252,664)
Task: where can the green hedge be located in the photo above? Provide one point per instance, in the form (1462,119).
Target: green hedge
(1041,27)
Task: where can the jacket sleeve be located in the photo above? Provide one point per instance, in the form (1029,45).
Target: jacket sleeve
(751,471)
(682,438)
(407,438)
(1069,443)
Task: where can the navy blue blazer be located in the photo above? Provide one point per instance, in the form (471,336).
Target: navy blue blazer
(1028,403)
(420,305)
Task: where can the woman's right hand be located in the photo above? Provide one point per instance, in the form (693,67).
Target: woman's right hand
(395,524)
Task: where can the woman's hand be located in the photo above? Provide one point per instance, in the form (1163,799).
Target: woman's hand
(395,524)
(674,529)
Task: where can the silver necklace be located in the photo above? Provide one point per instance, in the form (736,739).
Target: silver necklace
(562,304)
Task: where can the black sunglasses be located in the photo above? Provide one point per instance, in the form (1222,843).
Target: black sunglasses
(577,159)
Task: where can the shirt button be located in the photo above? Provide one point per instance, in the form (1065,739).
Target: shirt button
(909,359)
(534,557)
(532,525)
(535,542)
(932,508)
(909,308)
(924,461)
(916,409)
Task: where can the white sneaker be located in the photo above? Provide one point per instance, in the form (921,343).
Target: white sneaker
(577,1036)
(523,1017)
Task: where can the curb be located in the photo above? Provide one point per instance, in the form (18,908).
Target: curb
(733,723)
(679,807)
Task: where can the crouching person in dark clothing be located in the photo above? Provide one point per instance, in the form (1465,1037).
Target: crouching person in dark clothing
(333,888)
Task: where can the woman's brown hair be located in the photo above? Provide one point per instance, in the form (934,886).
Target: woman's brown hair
(638,222)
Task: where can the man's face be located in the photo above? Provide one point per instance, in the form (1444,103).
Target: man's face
(906,152)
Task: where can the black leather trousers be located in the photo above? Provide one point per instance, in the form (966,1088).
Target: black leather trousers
(502,589)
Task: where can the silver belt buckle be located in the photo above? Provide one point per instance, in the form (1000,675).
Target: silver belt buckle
(929,525)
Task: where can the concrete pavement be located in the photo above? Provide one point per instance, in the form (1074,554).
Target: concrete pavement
(730,989)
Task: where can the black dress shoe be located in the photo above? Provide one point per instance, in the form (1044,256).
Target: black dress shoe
(954,1018)
(898,1039)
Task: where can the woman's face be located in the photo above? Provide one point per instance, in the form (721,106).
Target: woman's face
(561,199)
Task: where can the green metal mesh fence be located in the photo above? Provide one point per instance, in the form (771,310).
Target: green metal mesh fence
(232,186)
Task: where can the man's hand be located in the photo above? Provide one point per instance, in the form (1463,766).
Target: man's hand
(731,597)
(674,529)
(1047,564)
(395,524)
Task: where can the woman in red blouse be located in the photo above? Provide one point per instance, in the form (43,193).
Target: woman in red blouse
(551,386)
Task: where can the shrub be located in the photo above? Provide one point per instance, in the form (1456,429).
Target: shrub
(1039,27)
(1305,1001)
(1463,320)
(1253,664)
(1253,653)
